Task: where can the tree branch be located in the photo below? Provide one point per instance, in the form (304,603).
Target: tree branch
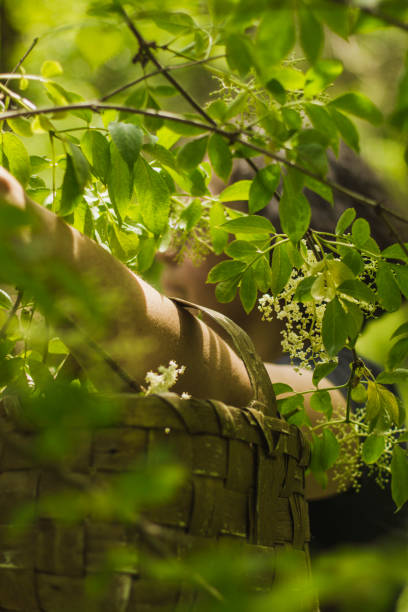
(377,14)
(146,50)
(231,136)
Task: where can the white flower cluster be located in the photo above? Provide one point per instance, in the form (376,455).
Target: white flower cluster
(302,333)
(164,379)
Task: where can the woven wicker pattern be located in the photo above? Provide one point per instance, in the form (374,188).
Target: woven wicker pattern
(246,484)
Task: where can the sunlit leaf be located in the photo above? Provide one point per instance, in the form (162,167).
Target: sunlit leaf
(128,139)
(235,192)
(359,105)
(373,448)
(249,224)
(16,158)
(275,37)
(153,196)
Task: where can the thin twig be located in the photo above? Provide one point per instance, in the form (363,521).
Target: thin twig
(11,314)
(21,60)
(146,50)
(159,71)
(231,136)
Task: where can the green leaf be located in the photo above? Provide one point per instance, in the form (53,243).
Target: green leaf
(325,451)
(395,251)
(81,166)
(397,354)
(249,224)
(322,370)
(355,320)
(303,290)
(334,327)
(358,290)
(359,393)
(401,329)
(360,232)
(161,154)
(239,53)
(401,276)
(71,190)
(291,404)
(294,213)
(359,105)
(99,42)
(399,476)
(225,291)
(321,402)
(96,149)
(389,403)
(242,250)
(263,275)
(248,290)
(175,22)
(281,268)
(235,192)
(353,260)
(20,126)
(399,375)
(389,295)
(51,69)
(145,256)
(191,215)
(280,388)
(219,237)
(192,153)
(153,196)
(220,156)
(263,187)
(330,449)
(128,139)
(275,37)
(311,34)
(119,182)
(322,122)
(17,160)
(5,300)
(373,448)
(277,90)
(225,270)
(322,74)
(324,191)
(346,128)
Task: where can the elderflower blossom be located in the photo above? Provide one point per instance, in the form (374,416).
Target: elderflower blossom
(164,379)
(302,331)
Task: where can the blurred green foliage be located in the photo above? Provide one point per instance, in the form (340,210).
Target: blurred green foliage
(127,159)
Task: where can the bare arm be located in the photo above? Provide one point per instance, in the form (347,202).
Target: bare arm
(142,328)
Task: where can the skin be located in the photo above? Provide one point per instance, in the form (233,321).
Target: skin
(142,328)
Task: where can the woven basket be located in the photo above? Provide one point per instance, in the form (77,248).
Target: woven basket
(246,484)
